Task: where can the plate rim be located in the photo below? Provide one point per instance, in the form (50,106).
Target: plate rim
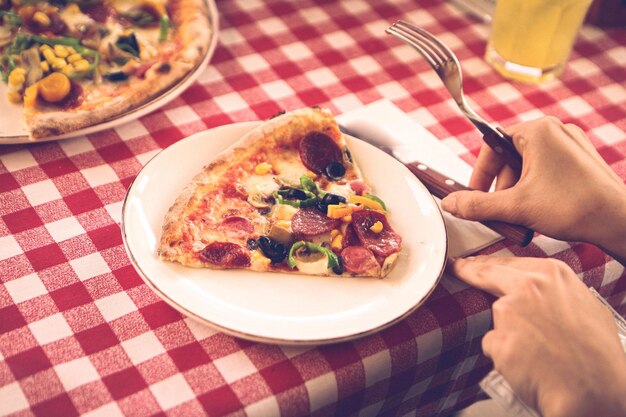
(245,335)
(163,99)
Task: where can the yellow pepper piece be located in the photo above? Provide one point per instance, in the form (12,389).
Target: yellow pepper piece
(364,201)
(377,227)
(337,211)
(337,243)
(30,95)
(262,168)
(55,87)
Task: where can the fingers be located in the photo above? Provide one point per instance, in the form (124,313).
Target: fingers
(481,272)
(488,166)
(478,205)
(489,343)
(508,178)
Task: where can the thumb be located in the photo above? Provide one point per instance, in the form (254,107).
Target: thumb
(479,205)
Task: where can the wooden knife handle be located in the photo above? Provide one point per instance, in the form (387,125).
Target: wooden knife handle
(440,186)
(504,147)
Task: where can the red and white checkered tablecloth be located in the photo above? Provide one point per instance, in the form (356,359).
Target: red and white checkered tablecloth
(80,333)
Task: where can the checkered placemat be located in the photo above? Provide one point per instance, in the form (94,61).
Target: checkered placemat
(80,333)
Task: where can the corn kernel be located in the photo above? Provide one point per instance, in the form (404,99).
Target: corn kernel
(74,57)
(41,18)
(15,96)
(67,70)
(377,227)
(58,63)
(45,67)
(262,168)
(334,233)
(347,219)
(49,55)
(81,65)
(17,77)
(44,47)
(72,8)
(258,257)
(61,51)
(337,243)
(70,50)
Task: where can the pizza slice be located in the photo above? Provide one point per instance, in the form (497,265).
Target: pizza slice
(287,197)
(80,63)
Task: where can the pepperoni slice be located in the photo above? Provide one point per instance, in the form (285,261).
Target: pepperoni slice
(236,226)
(311,222)
(358,260)
(238,223)
(349,237)
(225,254)
(318,150)
(384,243)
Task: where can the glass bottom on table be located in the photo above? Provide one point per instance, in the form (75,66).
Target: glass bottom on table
(523,73)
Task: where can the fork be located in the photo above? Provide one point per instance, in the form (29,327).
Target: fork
(447,67)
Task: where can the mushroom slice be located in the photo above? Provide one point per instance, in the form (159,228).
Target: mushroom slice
(30,59)
(310,262)
(281,232)
(388,264)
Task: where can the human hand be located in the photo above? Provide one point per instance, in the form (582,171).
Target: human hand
(554,343)
(565,189)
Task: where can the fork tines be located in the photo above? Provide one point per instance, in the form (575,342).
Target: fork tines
(431,48)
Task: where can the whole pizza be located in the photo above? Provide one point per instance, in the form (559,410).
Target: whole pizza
(288,197)
(77,63)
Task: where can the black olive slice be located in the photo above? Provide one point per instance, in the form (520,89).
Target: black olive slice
(116,76)
(328,199)
(292,193)
(274,250)
(334,171)
(339,268)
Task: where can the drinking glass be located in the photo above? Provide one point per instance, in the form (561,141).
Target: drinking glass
(531,39)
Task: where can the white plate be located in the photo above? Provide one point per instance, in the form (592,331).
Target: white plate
(13,129)
(286,308)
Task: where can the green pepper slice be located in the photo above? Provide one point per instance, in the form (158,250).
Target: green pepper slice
(333,260)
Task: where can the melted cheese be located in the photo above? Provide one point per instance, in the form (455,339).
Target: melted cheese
(73,17)
(289,171)
(343,190)
(264,185)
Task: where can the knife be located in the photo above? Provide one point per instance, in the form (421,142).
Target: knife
(437,184)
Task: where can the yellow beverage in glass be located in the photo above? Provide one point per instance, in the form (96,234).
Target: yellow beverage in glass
(531,39)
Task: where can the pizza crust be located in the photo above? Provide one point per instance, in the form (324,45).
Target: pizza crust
(59,122)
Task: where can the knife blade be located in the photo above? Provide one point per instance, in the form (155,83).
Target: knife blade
(437,183)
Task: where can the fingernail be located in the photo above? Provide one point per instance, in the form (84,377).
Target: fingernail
(449,204)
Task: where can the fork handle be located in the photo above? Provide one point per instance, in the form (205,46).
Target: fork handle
(503,146)
(440,186)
